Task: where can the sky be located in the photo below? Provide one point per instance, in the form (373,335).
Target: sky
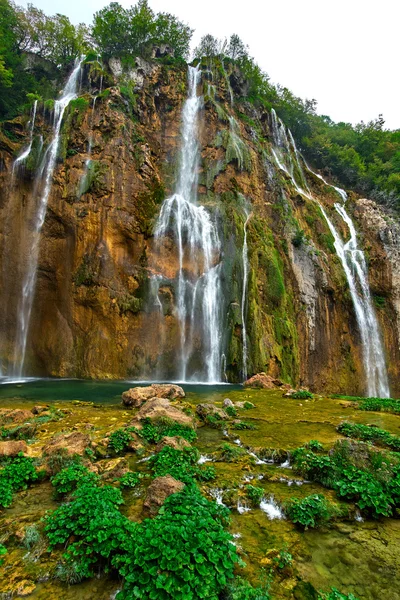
(343,53)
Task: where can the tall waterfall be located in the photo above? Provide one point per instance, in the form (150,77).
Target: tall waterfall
(42,189)
(245,259)
(25,153)
(197,287)
(352,258)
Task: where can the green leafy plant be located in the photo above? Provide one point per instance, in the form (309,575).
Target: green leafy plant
(154,431)
(184,553)
(70,478)
(231,411)
(32,537)
(283,559)
(119,440)
(248,405)
(315,446)
(302,395)
(231,453)
(243,425)
(381,437)
(255,494)
(310,511)
(3,551)
(334,594)
(180,464)
(130,480)
(16,476)
(240,589)
(379,404)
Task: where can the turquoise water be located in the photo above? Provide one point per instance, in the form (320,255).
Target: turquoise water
(102,392)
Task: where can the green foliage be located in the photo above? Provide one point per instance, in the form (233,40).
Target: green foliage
(248,405)
(240,589)
(334,594)
(302,395)
(15,476)
(183,553)
(283,559)
(80,104)
(119,440)
(130,480)
(255,494)
(379,404)
(315,446)
(72,477)
(154,430)
(180,464)
(231,453)
(311,511)
(381,437)
(299,238)
(32,537)
(231,411)
(243,425)
(91,528)
(3,551)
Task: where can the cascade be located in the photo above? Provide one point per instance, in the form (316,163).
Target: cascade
(351,257)
(245,259)
(197,287)
(88,161)
(42,190)
(25,153)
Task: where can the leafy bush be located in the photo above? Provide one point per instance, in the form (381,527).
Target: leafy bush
(91,528)
(183,553)
(248,405)
(3,551)
(130,480)
(311,511)
(373,434)
(379,404)
(15,476)
(240,589)
(283,559)
(302,395)
(315,446)
(154,431)
(231,411)
(231,453)
(70,478)
(254,494)
(243,425)
(180,464)
(119,440)
(31,537)
(206,473)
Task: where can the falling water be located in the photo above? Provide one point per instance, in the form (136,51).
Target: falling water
(88,161)
(198,295)
(45,173)
(245,259)
(25,153)
(351,257)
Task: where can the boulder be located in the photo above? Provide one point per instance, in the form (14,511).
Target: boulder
(205,410)
(37,410)
(72,443)
(159,490)
(289,393)
(136,396)
(262,380)
(242,404)
(114,468)
(17,415)
(156,408)
(12,448)
(177,442)
(228,402)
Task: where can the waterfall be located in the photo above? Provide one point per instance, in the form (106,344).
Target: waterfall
(25,153)
(197,286)
(245,259)
(42,191)
(351,257)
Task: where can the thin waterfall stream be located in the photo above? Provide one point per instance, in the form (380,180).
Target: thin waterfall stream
(25,153)
(245,259)
(198,293)
(42,190)
(352,258)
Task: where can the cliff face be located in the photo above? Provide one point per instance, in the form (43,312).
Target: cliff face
(97,312)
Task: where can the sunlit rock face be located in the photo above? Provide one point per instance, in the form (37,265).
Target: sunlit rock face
(106,297)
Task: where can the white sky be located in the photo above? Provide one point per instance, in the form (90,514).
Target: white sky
(343,53)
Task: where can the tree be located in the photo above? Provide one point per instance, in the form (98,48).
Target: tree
(209,46)
(111,29)
(169,30)
(236,50)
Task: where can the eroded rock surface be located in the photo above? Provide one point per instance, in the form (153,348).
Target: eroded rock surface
(159,490)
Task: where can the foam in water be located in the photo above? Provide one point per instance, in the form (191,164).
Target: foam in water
(198,295)
(352,258)
(271,508)
(42,190)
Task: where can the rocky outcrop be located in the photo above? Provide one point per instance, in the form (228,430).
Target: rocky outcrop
(176,442)
(263,381)
(159,490)
(135,397)
(68,443)
(210,410)
(157,408)
(12,448)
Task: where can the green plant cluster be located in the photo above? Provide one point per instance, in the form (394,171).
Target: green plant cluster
(302,395)
(379,404)
(357,473)
(243,425)
(17,473)
(67,480)
(231,453)
(311,511)
(334,594)
(26,431)
(130,480)
(154,431)
(180,464)
(3,551)
(367,433)
(119,440)
(240,589)
(254,494)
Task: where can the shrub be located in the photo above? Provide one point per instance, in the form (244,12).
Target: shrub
(3,551)
(243,425)
(302,395)
(254,494)
(183,553)
(130,480)
(154,431)
(240,589)
(248,405)
(315,446)
(373,434)
(15,476)
(31,537)
(180,464)
(119,440)
(91,528)
(230,453)
(310,511)
(70,478)
(334,594)
(379,404)
(283,559)
(231,411)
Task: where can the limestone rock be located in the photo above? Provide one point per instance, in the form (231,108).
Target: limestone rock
(177,442)
(228,402)
(137,396)
(114,468)
(16,416)
(261,380)
(159,490)
(155,408)
(72,443)
(205,410)
(12,448)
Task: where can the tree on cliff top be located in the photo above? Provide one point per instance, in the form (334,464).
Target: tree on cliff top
(119,32)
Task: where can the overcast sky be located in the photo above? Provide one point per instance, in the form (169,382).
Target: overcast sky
(343,53)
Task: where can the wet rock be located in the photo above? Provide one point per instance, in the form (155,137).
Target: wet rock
(114,469)
(205,410)
(156,408)
(135,397)
(16,416)
(71,443)
(39,409)
(177,442)
(261,380)
(289,393)
(159,490)
(348,404)
(13,448)
(228,402)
